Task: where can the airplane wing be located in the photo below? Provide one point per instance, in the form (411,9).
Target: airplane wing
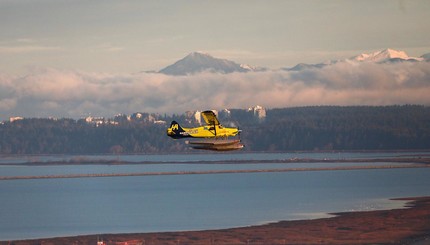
(210,118)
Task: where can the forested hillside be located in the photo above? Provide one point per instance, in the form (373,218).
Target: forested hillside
(289,129)
(343,128)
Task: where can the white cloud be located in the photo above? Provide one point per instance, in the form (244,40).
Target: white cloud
(75,94)
(20,49)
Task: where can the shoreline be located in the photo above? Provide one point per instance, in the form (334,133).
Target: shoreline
(417,159)
(275,170)
(391,163)
(408,225)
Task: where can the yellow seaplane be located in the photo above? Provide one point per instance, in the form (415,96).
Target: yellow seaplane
(215,134)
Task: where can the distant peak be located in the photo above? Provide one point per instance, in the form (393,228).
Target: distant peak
(198,53)
(395,53)
(197,62)
(389,50)
(382,55)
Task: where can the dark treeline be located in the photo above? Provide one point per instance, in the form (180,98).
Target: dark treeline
(344,128)
(289,129)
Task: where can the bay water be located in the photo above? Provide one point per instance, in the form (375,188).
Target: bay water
(36,208)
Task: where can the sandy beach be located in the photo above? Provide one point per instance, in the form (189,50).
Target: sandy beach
(409,225)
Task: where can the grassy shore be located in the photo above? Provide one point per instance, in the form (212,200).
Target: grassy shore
(397,226)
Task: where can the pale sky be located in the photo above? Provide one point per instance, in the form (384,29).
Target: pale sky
(74,58)
(133,36)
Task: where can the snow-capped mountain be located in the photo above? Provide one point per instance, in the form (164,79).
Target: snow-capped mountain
(252,68)
(199,62)
(386,55)
(383,56)
(303,66)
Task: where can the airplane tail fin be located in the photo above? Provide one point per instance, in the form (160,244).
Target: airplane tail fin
(176,131)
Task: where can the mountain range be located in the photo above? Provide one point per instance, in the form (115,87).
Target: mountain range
(197,62)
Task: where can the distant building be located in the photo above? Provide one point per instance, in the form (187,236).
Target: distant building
(121,118)
(259,112)
(13,119)
(198,117)
(95,120)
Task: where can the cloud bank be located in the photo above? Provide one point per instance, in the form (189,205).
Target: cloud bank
(75,94)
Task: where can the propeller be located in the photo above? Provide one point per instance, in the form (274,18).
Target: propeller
(236,125)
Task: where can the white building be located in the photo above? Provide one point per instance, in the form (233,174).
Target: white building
(198,117)
(226,113)
(95,120)
(139,115)
(258,111)
(13,119)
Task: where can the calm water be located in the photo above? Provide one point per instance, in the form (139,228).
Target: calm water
(59,207)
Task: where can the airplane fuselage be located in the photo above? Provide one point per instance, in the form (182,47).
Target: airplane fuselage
(216,136)
(208,131)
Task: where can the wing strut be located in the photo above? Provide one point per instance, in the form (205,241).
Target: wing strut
(214,129)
